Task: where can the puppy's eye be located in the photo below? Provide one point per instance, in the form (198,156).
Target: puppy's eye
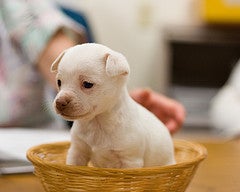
(87,85)
(59,83)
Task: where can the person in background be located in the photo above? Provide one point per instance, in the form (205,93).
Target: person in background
(32,34)
(224,111)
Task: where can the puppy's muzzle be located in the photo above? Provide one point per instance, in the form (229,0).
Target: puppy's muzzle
(62,103)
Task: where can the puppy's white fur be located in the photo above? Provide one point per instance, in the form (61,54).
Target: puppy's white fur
(110,129)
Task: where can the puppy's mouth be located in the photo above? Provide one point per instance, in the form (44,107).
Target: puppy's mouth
(72,117)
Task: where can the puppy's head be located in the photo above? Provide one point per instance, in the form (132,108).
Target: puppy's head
(90,78)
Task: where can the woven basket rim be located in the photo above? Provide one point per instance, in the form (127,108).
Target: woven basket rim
(36,160)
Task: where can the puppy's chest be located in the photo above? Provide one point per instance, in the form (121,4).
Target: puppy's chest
(98,136)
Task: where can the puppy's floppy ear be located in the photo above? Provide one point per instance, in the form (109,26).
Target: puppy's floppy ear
(116,64)
(55,63)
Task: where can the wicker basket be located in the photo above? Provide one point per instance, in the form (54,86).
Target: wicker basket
(56,176)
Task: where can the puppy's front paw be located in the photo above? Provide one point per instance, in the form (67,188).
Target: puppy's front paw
(76,158)
(76,161)
(133,163)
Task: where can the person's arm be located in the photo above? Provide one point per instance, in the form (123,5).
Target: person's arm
(169,111)
(41,40)
(55,46)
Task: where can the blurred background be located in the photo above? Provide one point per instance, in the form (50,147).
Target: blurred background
(185,49)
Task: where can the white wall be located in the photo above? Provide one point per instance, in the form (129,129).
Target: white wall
(133,27)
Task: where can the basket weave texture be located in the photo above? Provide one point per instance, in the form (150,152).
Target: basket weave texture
(56,176)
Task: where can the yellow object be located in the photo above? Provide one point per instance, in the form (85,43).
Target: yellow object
(56,176)
(221,11)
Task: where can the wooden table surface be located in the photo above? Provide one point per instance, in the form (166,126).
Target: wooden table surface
(220,172)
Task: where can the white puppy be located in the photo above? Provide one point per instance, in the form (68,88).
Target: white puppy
(110,129)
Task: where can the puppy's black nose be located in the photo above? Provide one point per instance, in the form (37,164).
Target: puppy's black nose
(62,102)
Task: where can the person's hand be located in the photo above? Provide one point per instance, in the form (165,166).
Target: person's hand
(169,111)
